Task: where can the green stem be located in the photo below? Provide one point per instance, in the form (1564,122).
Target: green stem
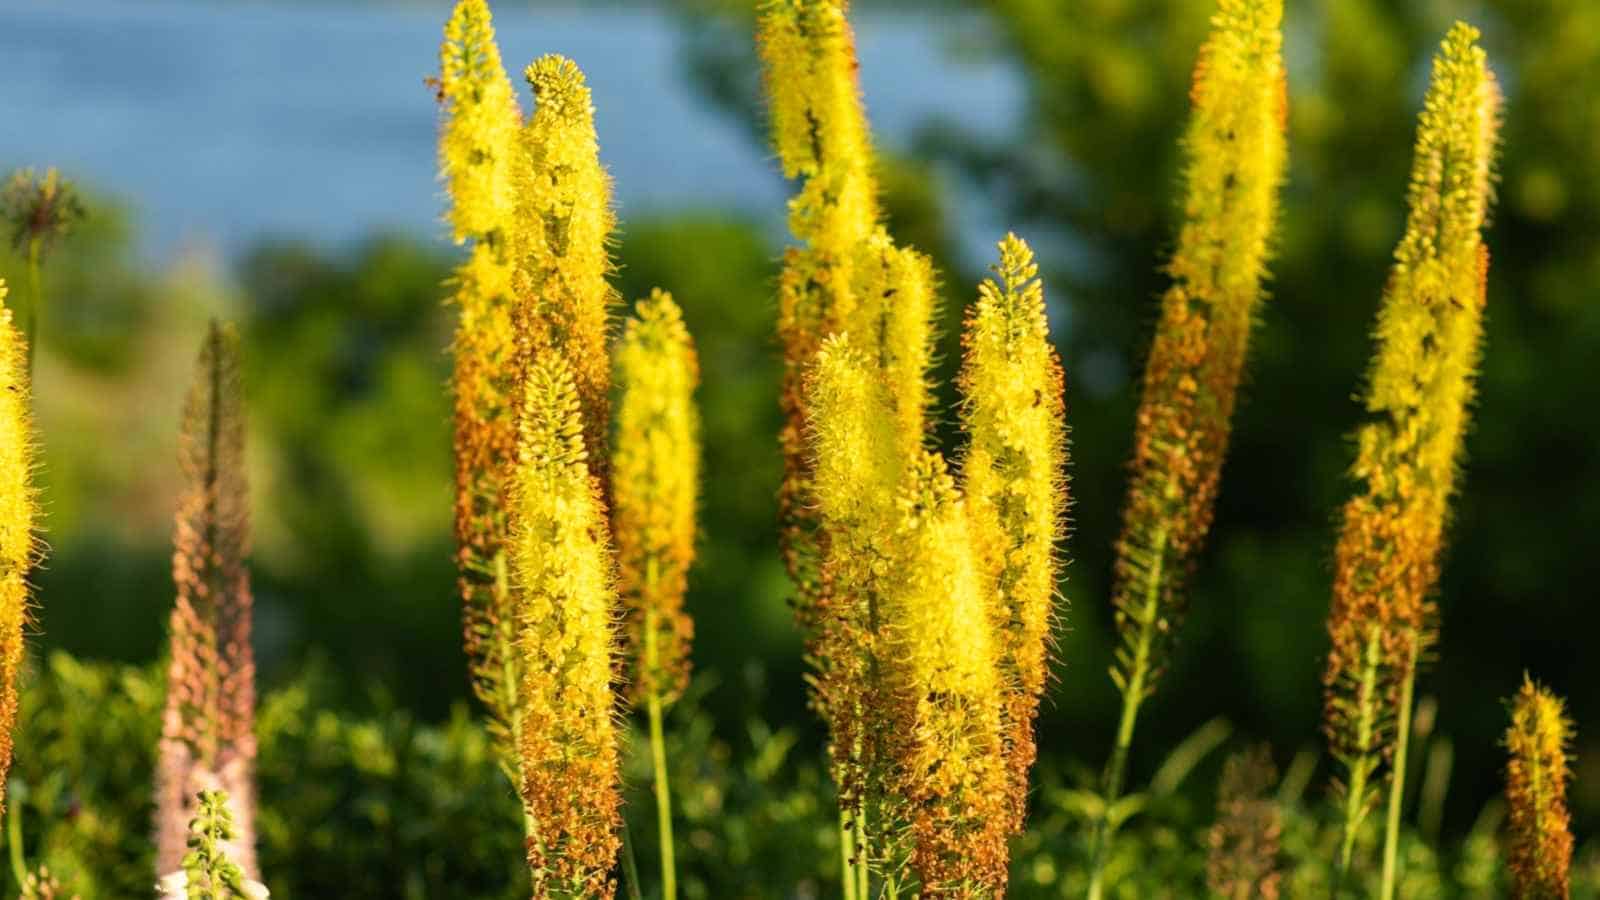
(1397,779)
(863,866)
(510,687)
(19,865)
(1361,767)
(658,749)
(1133,695)
(847,872)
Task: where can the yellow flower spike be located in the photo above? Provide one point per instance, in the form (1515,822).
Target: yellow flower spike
(208,730)
(944,692)
(1537,773)
(655,468)
(858,469)
(655,476)
(892,319)
(565,224)
(567,612)
(1014,478)
(477,145)
(1236,152)
(1420,386)
(19,518)
(480,156)
(821,134)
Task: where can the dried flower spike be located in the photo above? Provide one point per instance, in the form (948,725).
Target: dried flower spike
(1014,478)
(1382,620)
(479,154)
(1540,846)
(40,210)
(207,737)
(19,517)
(566,615)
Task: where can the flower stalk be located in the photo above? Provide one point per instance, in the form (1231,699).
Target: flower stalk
(1383,621)
(208,727)
(1236,152)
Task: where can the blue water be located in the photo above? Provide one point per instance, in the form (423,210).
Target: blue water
(223,122)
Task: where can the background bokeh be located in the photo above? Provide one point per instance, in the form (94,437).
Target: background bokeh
(272,163)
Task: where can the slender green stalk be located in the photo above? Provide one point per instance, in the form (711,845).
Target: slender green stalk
(1397,781)
(658,748)
(863,865)
(30,320)
(19,865)
(1133,695)
(847,872)
(1361,768)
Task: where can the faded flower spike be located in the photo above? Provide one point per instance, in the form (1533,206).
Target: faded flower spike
(208,729)
(1242,861)
(564,225)
(39,210)
(566,615)
(1014,478)
(479,155)
(19,516)
(1235,155)
(1382,620)
(1540,845)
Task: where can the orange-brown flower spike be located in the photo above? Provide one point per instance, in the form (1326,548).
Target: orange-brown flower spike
(19,517)
(479,155)
(655,478)
(1014,478)
(566,614)
(1236,151)
(944,692)
(821,135)
(565,224)
(208,729)
(1540,846)
(1419,390)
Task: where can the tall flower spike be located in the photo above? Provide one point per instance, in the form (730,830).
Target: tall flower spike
(820,131)
(19,515)
(1014,478)
(1540,850)
(892,320)
(1382,621)
(1236,151)
(655,470)
(567,614)
(479,152)
(208,729)
(565,224)
(944,693)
